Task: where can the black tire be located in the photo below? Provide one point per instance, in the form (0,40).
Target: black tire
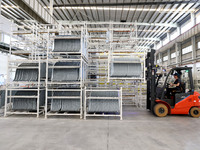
(160,110)
(195,112)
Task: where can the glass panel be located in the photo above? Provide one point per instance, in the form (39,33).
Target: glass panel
(187,50)
(165,58)
(173,55)
(186,26)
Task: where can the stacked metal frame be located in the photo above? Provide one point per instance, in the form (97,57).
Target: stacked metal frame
(109,49)
(102,102)
(25,94)
(127,70)
(68,62)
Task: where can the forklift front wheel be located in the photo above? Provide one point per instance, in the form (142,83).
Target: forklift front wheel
(160,110)
(195,112)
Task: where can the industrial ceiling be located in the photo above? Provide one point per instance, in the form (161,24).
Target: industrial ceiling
(144,11)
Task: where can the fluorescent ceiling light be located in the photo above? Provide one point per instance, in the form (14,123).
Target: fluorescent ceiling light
(127,9)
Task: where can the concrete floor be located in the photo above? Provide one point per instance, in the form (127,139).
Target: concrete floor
(139,130)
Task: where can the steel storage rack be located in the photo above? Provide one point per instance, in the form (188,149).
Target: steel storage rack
(109,48)
(25,85)
(66,72)
(25,94)
(101,102)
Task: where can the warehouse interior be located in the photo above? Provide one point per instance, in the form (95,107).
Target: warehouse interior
(99,74)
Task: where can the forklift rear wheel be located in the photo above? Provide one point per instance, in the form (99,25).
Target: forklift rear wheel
(160,110)
(195,112)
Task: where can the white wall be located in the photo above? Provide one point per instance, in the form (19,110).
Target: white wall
(4,65)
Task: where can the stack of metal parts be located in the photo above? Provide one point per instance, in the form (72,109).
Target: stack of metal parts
(24,73)
(28,104)
(68,104)
(2,98)
(67,45)
(126,67)
(29,74)
(66,74)
(104,105)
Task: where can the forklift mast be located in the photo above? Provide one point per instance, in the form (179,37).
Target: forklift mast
(151,79)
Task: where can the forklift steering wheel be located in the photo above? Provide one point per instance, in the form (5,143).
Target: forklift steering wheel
(168,85)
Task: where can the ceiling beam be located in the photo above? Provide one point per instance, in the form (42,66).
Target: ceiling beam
(118,23)
(32,9)
(29,11)
(127,4)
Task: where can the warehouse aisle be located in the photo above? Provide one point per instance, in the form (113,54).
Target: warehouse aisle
(139,130)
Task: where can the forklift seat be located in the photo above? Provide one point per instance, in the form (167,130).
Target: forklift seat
(183,85)
(182,90)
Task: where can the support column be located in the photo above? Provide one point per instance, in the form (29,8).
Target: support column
(160,59)
(193,19)
(179,30)
(194,55)
(178,54)
(168,37)
(161,43)
(169,57)
(51,7)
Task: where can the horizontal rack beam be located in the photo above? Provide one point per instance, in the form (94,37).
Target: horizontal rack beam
(64,67)
(103,98)
(23,113)
(62,114)
(77,90)
(87,115)
(18,89)
(23,67)
(64,97)
(63,82)
(22,96)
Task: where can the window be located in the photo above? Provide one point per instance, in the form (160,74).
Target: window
(173,55)
(159,61)
(165,58)
(186,26)
(198,18)
(6,39)
(187,50)
(174,35)
(198,45)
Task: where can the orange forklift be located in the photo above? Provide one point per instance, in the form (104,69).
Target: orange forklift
(160,101)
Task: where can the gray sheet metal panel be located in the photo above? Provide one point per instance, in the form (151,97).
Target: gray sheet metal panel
(30,74)
(67,45)
(104,105)
(131,69)
(72,105)
(104,94)
(133,59)
(68,74)
(68,105)
(2,97)
(56,105)
(126,70)
(28,103)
